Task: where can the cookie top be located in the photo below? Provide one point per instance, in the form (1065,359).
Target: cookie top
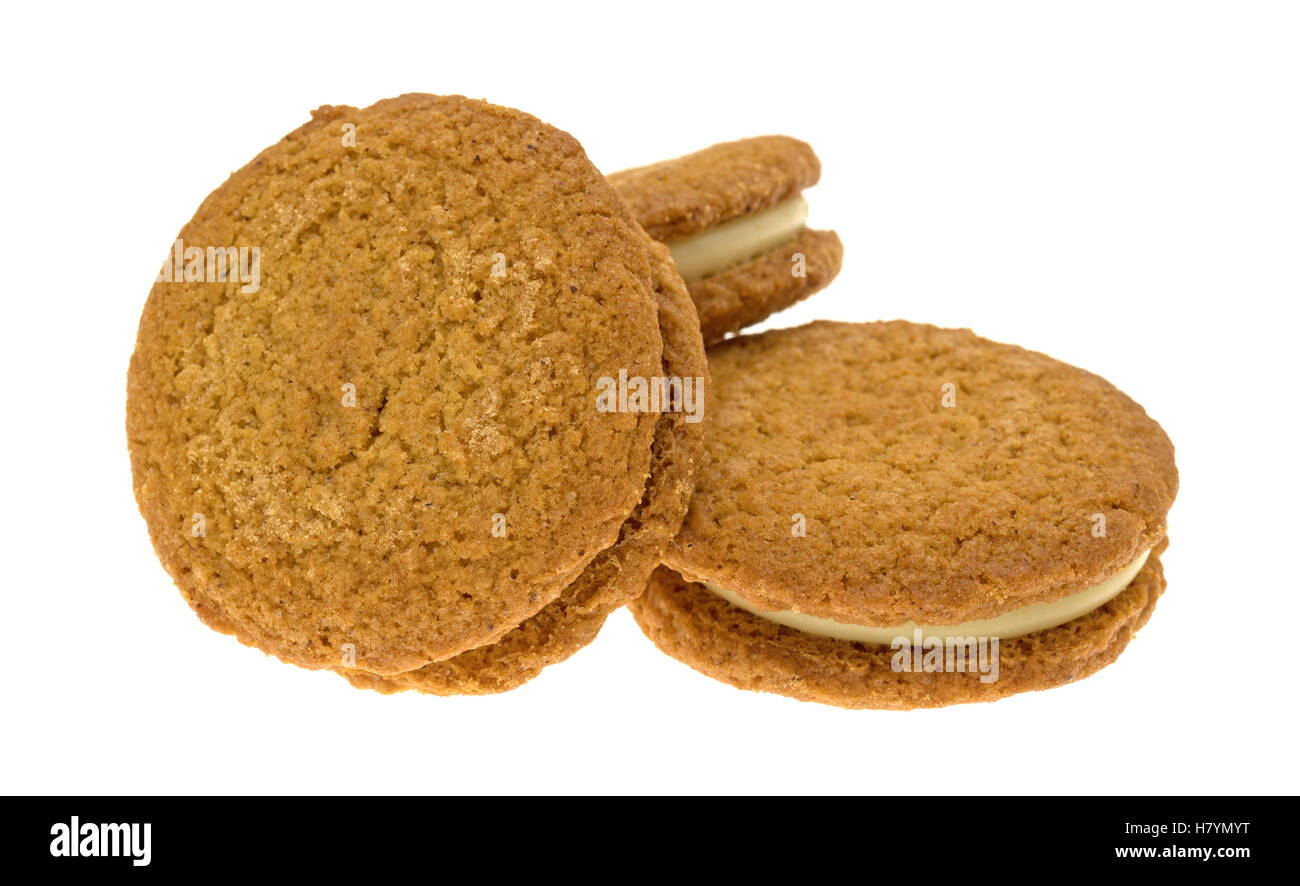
(376,443)
(684,196)
(620,572)
(939,477)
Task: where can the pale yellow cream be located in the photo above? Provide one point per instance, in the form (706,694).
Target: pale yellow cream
(737,241)
(1016,623)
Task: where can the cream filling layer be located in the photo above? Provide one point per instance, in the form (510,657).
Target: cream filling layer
(1016,623)
(738,240)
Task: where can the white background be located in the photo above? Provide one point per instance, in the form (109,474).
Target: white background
(1116,184)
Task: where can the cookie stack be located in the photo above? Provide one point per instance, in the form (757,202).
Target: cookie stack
(446,417)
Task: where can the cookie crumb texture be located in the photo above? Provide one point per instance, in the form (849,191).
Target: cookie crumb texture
(371,525)
(700,629)
(915,510)
(617,574)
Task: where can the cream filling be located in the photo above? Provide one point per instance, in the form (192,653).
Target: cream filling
(738,240)
(1016,623)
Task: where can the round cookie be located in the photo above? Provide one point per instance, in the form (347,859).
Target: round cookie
(698,195)
(894,474)
(324,448)
(620,572)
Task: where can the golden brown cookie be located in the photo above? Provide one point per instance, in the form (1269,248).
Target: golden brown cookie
(861,480)
(619,573)
(362,448)
(733,216)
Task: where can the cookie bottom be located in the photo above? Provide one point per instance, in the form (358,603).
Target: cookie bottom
(749,293)
(700,629)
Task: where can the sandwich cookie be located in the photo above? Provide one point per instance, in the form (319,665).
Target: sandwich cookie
(359,450)
(733,216)
(893,515)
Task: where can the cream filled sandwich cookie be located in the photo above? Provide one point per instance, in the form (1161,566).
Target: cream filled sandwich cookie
(734,217)
(894,515)
(375,444)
